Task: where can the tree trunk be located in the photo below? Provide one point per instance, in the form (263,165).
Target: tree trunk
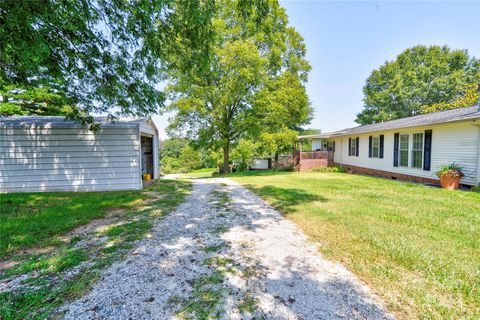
(226,158)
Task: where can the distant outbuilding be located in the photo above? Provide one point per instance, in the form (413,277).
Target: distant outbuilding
(54,154)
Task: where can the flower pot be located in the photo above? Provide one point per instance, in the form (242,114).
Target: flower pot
(450,183)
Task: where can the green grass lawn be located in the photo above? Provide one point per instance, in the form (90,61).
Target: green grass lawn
(199,173)
(36,242)
(418,247)
(34,219)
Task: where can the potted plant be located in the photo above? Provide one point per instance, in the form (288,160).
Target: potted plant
(450,176)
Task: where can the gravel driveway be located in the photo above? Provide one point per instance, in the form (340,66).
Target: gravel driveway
(226,254)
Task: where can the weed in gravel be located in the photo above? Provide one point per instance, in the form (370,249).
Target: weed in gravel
(206,304)
(174,300)
(248,304)
(218,262)
(209,249)
(206,299)
(219,229)
(75,240)
(222,199)
(249,272)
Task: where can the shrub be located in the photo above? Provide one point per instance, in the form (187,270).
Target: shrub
(243,154)
(450,170)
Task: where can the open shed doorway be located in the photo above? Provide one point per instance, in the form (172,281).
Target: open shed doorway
(147,155)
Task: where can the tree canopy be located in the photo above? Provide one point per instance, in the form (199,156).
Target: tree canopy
(468,97)
(419,76)
(105,56)
(253,83)
(43,101)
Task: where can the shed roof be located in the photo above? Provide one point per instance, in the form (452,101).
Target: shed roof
(467,113)
(61,122)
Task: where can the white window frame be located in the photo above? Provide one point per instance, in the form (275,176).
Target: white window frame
(417,150)
(407,150)
(376,146)
(353,147)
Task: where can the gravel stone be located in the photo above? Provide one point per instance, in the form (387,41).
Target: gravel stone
(266,257)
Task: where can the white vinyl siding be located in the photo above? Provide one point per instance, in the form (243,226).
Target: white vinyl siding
(454,142)
(69,159)
(403,150)
(417,150)
(375,147)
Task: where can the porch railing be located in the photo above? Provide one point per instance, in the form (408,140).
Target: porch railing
(312,155)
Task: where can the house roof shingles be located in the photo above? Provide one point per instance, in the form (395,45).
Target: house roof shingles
(467,113)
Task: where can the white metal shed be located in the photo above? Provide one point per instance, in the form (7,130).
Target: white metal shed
(54,154)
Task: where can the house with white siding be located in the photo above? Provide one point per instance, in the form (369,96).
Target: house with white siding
(54,154)
(411,148)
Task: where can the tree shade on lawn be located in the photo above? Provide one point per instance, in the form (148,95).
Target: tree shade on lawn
(416,246)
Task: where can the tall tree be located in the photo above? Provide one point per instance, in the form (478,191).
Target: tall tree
(225,101)
(284,107)
(42,101)
(419,76)
(469,97)
(106,56)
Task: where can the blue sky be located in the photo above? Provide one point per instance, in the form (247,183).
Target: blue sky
(347,40)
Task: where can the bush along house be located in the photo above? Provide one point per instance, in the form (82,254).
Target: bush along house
(413,148)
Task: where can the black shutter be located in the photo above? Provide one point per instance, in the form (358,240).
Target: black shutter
(396,140)
(349,146)
(357,147)
(370,146)
(427,150)
(333,146)
(382,139)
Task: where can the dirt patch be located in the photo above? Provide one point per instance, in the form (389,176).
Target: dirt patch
(116,212)
(7,264)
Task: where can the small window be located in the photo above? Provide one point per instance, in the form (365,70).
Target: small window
(417,150)
(353,147)
(403,150)
(376,147)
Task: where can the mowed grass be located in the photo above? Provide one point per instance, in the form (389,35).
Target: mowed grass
(32,222)
(35,219)
(200,173)
(417,247)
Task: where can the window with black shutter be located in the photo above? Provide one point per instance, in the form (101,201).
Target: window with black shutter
(370,145)
(396,140)
(382,142)
(427,150)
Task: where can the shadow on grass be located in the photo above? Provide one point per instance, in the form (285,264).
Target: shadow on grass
(285,199)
